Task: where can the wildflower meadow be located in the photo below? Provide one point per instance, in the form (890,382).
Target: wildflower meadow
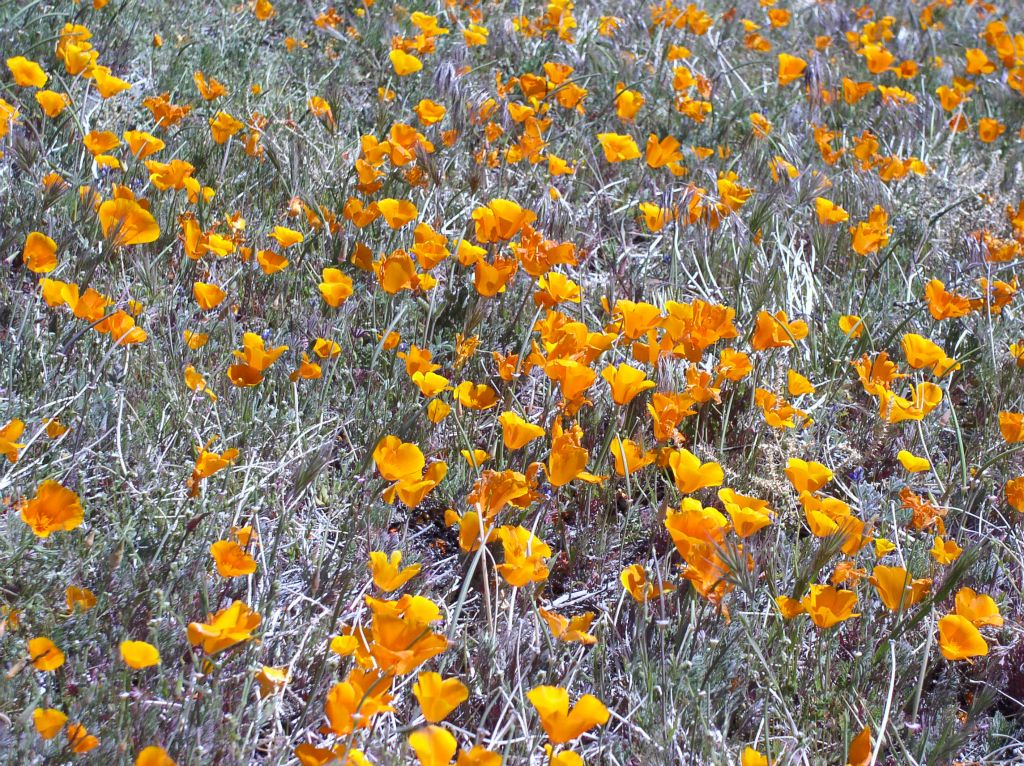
(467,382)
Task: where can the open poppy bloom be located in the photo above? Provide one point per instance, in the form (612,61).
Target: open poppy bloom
(500,220)
(154,755)
(897,589)
(433,746)
(525,556)
(388,574)
(980,609)
(405,63)
(353,703)
(48,722)
(51,509)
(570,629)
(959,639)
(39,253)
(9,447)
(748,514)
(517,432)
(126,222)
(691,474)
(828,606)
(139,654)
(559,722)
(776,331)
(626,382)
(636,583)
(224,629)
(807,476)
(790,68)
(231,559)
(629,456)
(44,654)
(437,696)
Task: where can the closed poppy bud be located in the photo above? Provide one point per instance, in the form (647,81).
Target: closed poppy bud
(139,654)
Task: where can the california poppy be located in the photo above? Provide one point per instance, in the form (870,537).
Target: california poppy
(559,722)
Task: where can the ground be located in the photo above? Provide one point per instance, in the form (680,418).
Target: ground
(676,349)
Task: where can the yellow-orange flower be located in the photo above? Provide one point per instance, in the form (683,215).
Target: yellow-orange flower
(52,508)
(224,629)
